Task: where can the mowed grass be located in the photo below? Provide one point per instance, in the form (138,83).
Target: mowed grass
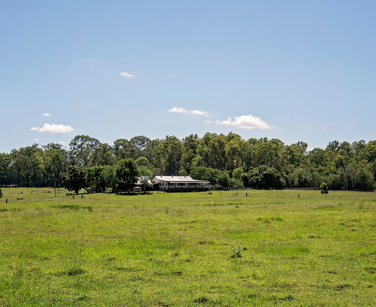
(182,250)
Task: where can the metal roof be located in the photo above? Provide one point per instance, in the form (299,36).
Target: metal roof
(178,179)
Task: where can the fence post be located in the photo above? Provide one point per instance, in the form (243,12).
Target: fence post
(73,196)
(6,200)
(298,195)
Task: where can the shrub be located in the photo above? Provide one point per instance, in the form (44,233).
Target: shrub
(264,177)
(224,179)
(301,178)
(364,179)
(236,252)
(324,186)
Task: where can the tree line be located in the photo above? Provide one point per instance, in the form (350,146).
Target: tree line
(227,160)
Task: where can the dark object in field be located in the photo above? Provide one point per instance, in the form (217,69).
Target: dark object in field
(19,198)
(236,252)
(324,192)
(201,300)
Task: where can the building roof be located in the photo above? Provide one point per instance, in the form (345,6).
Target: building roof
(177,179)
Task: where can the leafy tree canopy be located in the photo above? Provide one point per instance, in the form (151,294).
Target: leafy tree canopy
(264,177)
(75,179)
(127,172)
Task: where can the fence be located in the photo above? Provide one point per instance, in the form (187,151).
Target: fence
(232,192)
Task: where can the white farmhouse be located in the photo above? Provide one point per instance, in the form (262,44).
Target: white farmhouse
(180,183)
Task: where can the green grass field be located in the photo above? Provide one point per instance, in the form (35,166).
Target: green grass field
(188,249)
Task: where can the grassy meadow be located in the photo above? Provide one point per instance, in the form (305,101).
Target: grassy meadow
(188,249)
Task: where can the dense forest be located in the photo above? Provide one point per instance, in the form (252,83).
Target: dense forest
(227,160)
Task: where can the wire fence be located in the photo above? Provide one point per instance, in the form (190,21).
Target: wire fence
(31,195)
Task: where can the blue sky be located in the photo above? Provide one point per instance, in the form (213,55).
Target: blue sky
(293,70)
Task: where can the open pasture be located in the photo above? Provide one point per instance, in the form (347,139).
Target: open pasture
(189,249)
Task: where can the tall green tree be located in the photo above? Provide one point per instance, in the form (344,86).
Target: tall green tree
(170,151)
(81,148)
(364,179)
(205,173)
(101,156)
(300,178)
(127,172)
(142,161)
(223,179)
(75,179)
(264,177)
(122,149)
(139,145)
(96,179)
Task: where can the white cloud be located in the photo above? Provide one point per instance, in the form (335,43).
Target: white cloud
(61,142)
(46,114)
(126,74)
(245,122)
(14,130)
(36,140)
(177,110)
(182,110)
(207,121)
(53,128)
(198,112)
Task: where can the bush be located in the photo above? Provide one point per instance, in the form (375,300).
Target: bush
(264,177)
(334,182)
(235,183)
(324,186)
(224,179)
(363,179)
(301,178)
(236,252)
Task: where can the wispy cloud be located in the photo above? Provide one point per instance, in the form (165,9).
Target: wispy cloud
(182,110)
(198,112)
(177,110)
(53,128)
(37,140)
(126,74)
(245,122)
(207,121)
(46,114)
(61,142)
